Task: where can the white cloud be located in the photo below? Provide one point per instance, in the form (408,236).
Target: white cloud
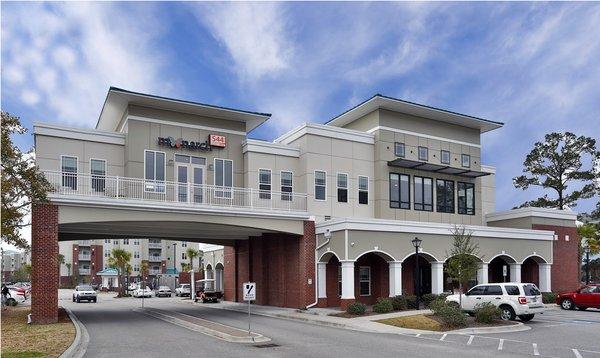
(30,97)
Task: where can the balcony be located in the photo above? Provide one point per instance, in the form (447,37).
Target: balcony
(202,197)
(84,271)
(83,243)
(155,245)
(154,272)
(155,258)
(84,257)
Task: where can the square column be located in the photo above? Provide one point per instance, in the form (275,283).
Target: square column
(347,283)
(515,272)
(395,278)
(545,277)
(437,277)
(482,274)
(322,279)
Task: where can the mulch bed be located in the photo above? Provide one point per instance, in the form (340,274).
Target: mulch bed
(471,323)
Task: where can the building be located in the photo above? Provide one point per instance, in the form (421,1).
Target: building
(324,215)
(85,258)
(12,261)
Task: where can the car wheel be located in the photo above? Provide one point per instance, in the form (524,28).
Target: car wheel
(78,300)
(507,313)
(581,308)
(73,298)
(11,302)
(526,317)
(95,300)
(567,304)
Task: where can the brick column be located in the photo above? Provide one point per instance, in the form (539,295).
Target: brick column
(307,277)
(44,263)
(229,273)
(242,254)
(565,267)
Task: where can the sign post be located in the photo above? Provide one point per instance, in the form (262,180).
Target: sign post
(249,290)
(504,272)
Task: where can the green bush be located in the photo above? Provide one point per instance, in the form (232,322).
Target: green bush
(450,315)
(383,305)
(548,297)
(411,301)
(356,309)
(428,298)
(437,305)
(486,312)
(399,303)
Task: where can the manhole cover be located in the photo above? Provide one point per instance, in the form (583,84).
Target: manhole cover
(266,345)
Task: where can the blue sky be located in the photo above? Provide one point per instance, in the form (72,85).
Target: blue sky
(534,66)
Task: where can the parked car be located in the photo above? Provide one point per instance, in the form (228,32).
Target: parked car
(582,298)
(15,297)
(514,299)
(132,286)
(183,290)
(142,292)
(84,293)
(163,291)
(21,290)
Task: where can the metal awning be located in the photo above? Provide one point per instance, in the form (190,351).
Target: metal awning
(435,168)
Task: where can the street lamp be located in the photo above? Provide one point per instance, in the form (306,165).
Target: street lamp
(417,243)
(174,257)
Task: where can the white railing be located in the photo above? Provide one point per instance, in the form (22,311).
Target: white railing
(84,243)
(154,245)
(154,258)
(121,188)
(154,272)
(84,257)
(83,271)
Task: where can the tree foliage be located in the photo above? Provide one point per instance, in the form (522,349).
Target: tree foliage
(192,254)
(555,163)
(22,183)
(119,259)
(589,236)
(462,260)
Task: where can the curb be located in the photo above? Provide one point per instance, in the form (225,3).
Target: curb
(79,346)
(517,327)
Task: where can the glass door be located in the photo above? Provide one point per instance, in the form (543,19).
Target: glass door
(198,177)
(189,169)
(182,180)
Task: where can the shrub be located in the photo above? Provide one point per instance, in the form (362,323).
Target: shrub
(399,303)
(356,309)
(437,305)
(486,312)
(548,297)
(383,305)
(411,302)
(450,316)
(428,298)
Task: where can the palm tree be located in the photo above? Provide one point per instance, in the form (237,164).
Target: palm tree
(68,264)
(119,259)
(61,261)
(192,254)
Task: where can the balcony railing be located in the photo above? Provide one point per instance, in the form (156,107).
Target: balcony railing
(83,271)
(154,245)
(83,243)
(155,258)
(84,257)
(154,272)
(121,188)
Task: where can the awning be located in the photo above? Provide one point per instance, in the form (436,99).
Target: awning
(435,168)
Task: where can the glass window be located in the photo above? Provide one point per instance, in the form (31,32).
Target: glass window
(69,171)
(287,179)
(320,184)
(363,190)
(154,171)
(512,290)
(465,160)
(399,150)
(180,158)
(531,290)
(476,291)
(466,198)
(98,173)
(445,157)
(423,194)
(126,241)
(223,177)
(445,196)
(264,183)
(399,191)
(342,188)
(423,153)
(107,241)
(365,280)
(493,290)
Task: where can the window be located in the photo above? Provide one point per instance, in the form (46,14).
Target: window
(106,253)
(423,194)
(423,153)
(399,150)
(531,290)
(476,291)
(466,198)
(364,274)
(342,188)
(399,191)
(68,167)
(116,242)
(445,196)
(493,290)
(98,174)
(183,256)
(136,254)
(363,190)
(184,244)
(512,290)
(223,177)
(320,184)
(445,157)
(136,268)
(264,183)
(154,164)
(107,241)
(286,186)
(465,160)
(136,242)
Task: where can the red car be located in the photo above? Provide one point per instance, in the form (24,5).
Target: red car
(585,297)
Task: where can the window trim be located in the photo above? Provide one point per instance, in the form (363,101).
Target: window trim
(154,181)
(105,173)
(400,202)
(222,189)
(458,201)
(442,151)
(337,187)
(363,190)
(283,193)
(437,207)
(361,281)
(263,194)
(76,170)
(462,160)
(422,194)
(419,153)
(315,184)
(403,149)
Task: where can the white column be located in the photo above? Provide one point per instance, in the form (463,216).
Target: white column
(347,280)
(192,285)
(437,277)
(395,278)
(515,272)
(545,277)
(482,274)
(322,279)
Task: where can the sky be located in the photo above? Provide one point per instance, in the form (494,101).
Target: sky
(533,66)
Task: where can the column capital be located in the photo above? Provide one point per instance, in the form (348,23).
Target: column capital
(347,262)
(322,263)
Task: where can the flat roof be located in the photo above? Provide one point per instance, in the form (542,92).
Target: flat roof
(379,101)
(117,100)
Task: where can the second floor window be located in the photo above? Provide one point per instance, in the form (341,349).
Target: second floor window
(399,191)
(342,188)
(363,190)
(154,172)
(399,149)
(264,183)
(125,241)
(445,196)
(423,194)
(423,154)
(286,186)
(98,173)
(223,177)
(445,157)
(465,160)
(320,184)
(68,166)
(466,198)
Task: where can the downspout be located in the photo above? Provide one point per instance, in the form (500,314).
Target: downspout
(327,236)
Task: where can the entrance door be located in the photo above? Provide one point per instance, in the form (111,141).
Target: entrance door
(189,169)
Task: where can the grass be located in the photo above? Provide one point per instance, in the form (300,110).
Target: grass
(414,322)
(21,340)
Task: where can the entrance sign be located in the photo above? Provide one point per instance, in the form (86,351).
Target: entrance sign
(249,289)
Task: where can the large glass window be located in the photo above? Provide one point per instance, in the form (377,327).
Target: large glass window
(399,191)
(399,149)
(423,153)
(465,160)
(445,157)
(320,184)
(365,280)
(423,194)
(342,188)
(287,179)
(445,196)
(98,173)
(466,198)
(264,183)
(223,177)
(363,190)
(154,174)
(68,167)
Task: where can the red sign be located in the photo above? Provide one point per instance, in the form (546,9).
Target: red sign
(217,140)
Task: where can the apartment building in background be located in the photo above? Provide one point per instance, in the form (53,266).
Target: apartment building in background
(12,261)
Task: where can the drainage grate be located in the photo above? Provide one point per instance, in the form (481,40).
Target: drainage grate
(266,345)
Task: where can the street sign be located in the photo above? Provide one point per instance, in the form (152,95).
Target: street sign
(504,270)
(249,289)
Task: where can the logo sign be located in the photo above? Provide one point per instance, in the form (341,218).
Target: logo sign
(249,289)
(217,140)
(504,270)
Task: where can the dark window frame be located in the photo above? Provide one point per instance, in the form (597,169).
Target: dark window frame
(442,156)
(426,153)
(286,190)
(465,210)
(444,208)
(342,192)
(363,194)
(403,146)
(423,204)
(462,160)
(265,187)
(400,201)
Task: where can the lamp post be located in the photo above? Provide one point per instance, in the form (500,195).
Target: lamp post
(174,258)
(417,243)
(587,264)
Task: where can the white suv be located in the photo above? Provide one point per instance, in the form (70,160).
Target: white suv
(515,299)
(183,290)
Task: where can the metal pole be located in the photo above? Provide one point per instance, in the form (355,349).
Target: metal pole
(248,318)
(418,277)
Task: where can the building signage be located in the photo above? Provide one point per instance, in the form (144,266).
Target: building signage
(214,140)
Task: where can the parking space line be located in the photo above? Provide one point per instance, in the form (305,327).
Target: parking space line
(500,344)
(443,336)
(536,352)
(418,335)
(576,352)
(470,340)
